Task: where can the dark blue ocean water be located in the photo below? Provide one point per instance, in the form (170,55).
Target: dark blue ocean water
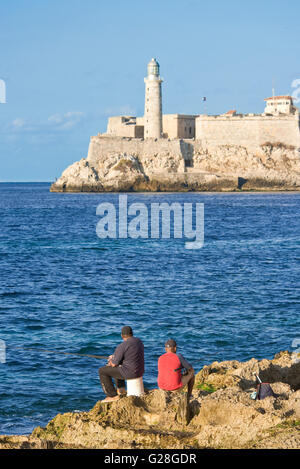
(65,289)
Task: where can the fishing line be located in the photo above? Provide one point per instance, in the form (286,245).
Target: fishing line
(98,357)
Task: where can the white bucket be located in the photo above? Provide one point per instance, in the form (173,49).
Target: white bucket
(135,387)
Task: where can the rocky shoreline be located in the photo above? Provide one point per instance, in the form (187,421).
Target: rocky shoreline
(135,165)
(221,414)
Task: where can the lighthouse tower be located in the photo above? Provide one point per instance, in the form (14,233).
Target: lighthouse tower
(153,102)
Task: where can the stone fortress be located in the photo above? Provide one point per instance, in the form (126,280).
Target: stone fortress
(178,152)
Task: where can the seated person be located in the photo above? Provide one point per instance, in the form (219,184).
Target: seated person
(170,365)
(127,362)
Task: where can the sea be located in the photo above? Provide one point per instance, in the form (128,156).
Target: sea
(65,289)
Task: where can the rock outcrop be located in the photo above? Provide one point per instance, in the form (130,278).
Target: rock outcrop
(221,414)
(117,164)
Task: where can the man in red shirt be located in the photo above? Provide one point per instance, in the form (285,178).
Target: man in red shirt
(170,377)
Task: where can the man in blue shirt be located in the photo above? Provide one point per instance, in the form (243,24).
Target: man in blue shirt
(127,362)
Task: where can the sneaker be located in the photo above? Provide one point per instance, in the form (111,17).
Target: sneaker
(111,399)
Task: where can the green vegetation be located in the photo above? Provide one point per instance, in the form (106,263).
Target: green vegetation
(206,387)
(289,424)
(55,427)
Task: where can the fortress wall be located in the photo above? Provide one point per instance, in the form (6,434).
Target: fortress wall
(104,147)
(285,130)
(213,136)
(186,126)
(248,131)
(124,126)
(178,126)
(129,130)
(170,125)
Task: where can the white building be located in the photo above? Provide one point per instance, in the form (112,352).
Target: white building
(279,105)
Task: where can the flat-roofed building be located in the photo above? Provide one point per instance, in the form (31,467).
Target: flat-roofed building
(179,126)
(124,126)
(280,105)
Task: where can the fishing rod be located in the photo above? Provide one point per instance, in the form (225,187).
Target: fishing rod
(99,357)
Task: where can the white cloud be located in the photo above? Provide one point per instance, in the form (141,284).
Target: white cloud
(66,121)
(56,119)
(18,123)
(74,114)
(125,110)
(54,123)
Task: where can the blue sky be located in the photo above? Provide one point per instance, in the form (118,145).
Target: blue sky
(69,64)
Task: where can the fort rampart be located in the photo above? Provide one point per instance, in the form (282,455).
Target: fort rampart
(250,131)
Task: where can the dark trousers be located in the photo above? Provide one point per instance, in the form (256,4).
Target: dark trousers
(106,373)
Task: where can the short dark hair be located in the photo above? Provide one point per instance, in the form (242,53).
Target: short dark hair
(126,331)
(171,343)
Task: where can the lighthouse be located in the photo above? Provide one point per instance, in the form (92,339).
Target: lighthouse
(153,102)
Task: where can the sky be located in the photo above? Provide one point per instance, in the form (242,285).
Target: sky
(67,65)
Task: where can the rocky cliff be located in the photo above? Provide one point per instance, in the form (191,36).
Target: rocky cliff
(116,164)
(221,414)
